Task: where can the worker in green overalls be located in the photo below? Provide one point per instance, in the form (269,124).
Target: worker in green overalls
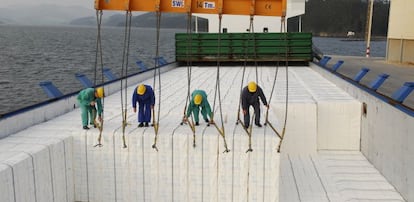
(90,102)
(199,100)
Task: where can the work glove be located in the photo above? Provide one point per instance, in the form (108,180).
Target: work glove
(185,119)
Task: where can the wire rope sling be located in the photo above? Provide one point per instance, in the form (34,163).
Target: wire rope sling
(124,74)
(190,122)
(217,92)
(249,129)
(253,7)
(98,54)
(157,71)
(251,39)
(286,61)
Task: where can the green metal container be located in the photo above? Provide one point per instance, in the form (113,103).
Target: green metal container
(199,47)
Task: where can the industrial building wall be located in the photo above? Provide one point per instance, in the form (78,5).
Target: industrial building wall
(401,32)
(240,23)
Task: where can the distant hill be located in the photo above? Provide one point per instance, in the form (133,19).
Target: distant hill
(4,18)
(86,21)
(115,20)
(168,20)
(44,14)
(336,18)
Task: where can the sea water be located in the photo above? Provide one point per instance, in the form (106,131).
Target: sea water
(32,54)
(29,55)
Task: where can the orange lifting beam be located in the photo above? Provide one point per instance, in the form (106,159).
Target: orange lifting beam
(230,7)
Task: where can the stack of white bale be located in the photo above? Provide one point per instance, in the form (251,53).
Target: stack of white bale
(58,161)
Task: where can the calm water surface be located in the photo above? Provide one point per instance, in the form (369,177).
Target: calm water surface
(29,55)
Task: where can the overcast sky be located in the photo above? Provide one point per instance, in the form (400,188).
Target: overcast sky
(83,3)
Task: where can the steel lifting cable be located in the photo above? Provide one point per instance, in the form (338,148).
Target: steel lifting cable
(257,80)
(98,49)
(247,130)
(274,84)
(157,68)
(217,90)
(287,85)
(127,37)
(189,70)
(267,122)
(99,54)
(241,84)
(254,47)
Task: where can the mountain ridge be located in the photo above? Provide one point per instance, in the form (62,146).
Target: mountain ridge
(55,15)
(43,14)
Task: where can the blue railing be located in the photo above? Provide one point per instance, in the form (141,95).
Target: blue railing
(396,99)
(55,96)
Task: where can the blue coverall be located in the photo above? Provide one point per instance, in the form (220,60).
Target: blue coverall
(145,102)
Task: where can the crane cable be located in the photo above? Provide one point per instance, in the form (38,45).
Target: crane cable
(267,122)
(189,70)
(287,86)
(249,131)
(250,128)
(155,123)
(257,79)
(98,53)
(124,73)
(217,90)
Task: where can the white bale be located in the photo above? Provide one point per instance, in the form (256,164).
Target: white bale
(58,169)
(41,161)
(23,174)
(60,149)
(339,125)
(301,130)
(6,185)
(338,114)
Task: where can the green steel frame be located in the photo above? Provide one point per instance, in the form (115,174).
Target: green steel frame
(202,47)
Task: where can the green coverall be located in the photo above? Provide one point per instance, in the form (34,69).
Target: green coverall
(204,105)
(85,97)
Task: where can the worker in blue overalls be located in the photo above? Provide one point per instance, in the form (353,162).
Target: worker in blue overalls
(90,102)
(144,95)
(250,97)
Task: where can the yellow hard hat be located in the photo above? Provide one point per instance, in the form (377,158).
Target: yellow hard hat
(252,86)
(100,92)
(197,99)
(141,89)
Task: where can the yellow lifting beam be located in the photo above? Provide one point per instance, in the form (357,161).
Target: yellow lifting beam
(230,7)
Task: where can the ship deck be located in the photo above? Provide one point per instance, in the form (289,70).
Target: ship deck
(307,173)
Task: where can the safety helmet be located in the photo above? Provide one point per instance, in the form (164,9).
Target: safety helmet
(100,92)
(197,99)
(141,89)
(252,86)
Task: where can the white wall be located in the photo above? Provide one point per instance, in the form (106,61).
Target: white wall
(400,39)
(399,25)
(386,137)
(239,23)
